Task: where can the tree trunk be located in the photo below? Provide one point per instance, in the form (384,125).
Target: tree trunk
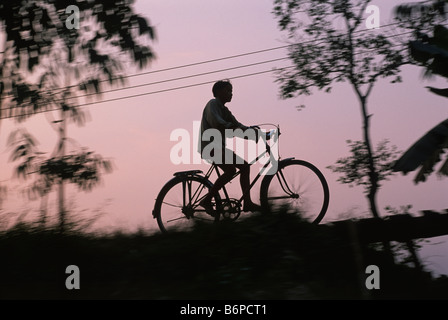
(1,107)
(43,210)
(63,135)
(61,193)
(373,175)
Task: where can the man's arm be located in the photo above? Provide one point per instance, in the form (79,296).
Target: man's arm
(236,124)
(214,118)
(253,135)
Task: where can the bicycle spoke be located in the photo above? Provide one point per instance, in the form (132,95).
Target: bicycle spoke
(172,205)
(171,220)
(297,187)
(177,204)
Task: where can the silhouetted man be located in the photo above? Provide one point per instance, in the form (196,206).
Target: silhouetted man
(217,116)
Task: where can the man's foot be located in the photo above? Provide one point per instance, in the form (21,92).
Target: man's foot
(206,203)
(252,207)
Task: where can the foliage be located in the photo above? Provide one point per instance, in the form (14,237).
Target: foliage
(355,168)
(429,46)
(421,17)
(33,27)
(431,53)
(81,168)
(36,29)
(324,52)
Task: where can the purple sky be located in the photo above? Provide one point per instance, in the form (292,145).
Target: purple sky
(135,132)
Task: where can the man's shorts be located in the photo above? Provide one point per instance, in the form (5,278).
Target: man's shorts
(223,156)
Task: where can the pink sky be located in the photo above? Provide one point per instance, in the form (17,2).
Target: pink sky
(135,132)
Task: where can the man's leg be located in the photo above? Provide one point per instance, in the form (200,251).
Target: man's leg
(229,171)
(244,168)
(249,205)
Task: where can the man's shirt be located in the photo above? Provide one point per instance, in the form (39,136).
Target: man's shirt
(216,116)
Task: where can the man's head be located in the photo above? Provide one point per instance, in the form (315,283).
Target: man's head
(223,90)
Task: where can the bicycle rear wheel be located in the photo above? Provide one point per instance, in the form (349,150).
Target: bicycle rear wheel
(177,205)
(297,187)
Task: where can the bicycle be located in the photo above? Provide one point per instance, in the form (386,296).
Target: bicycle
(296,186)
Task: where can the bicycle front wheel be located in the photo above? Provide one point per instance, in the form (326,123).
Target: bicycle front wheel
(297,187)
(177,205)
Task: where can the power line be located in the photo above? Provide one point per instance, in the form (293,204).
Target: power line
(180,78)
(173,79)
(195,75)
(167,80)
(221,59)
(241,55)
(199,74)
(142,94)
(169,89)
(187,65)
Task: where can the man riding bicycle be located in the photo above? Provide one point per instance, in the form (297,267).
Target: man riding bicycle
(217,116)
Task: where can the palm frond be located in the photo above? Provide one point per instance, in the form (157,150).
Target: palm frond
(425,153)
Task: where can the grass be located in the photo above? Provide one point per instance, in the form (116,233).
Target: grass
(261,257)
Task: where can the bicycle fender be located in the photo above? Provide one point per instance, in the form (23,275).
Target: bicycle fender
(284,161)
(188,173)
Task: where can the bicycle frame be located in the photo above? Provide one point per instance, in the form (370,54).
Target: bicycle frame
(214,167)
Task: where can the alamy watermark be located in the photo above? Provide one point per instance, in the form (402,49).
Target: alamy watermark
(261,147)
(73,280)
(373,280)
(72,22)
(373,20)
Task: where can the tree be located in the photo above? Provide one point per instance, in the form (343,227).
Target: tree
(82,168)
(431,53)
(329,45)
(33,29)
(70,55)
(355,168)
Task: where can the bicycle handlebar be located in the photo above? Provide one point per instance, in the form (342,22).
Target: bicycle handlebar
(268,135)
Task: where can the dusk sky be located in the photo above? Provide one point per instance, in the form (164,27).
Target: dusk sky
(135,132)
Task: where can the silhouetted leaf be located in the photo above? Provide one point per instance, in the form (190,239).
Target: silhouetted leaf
(144,28)
(425,153)
(440,92)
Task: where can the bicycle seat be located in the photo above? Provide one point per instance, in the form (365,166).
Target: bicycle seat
(187,173)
